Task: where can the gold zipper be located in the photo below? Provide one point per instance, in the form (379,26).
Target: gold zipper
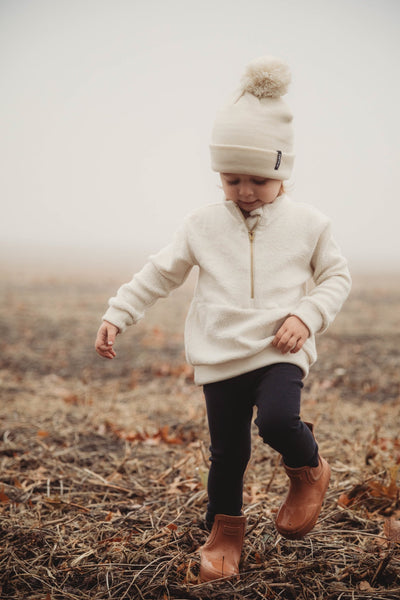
(251,233)
(251,238)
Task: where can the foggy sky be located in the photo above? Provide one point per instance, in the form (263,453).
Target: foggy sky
(106,110)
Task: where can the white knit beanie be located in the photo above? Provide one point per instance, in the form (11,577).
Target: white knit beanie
(253,134)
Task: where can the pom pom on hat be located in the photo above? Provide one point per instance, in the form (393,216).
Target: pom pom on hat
(253,132)
(266,77)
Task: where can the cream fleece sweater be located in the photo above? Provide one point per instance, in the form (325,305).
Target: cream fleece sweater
(246,287)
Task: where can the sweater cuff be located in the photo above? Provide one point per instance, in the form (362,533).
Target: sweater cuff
(310,315)
(119,318)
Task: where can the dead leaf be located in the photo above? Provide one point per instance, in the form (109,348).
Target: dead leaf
(373,495)
(4,499)
(379,490)
(365,587)
(42,434)
(161,435)
(344,501)
(391,530)
(72,399)
(353,496)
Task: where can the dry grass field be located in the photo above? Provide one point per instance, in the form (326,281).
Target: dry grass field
(104,463)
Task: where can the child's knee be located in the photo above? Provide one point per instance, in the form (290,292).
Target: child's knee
(279,427)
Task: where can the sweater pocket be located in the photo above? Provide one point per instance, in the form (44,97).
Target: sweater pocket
(218,333)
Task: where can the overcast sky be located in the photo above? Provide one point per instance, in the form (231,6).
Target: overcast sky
(106,109)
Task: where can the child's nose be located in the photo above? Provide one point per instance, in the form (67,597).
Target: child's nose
(245,189)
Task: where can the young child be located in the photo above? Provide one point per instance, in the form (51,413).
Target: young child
(250,331)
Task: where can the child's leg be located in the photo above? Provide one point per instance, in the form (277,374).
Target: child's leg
(229,411)
(278,420)
(278,402)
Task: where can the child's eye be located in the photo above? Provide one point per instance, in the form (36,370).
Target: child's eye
(255,181)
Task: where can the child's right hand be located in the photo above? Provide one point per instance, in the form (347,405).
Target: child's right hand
(105,339)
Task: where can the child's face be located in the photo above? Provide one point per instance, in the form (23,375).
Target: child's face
(249,191)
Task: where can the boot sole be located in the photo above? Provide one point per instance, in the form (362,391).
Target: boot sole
(206,576)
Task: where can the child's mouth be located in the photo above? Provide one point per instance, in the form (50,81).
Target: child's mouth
(247,204)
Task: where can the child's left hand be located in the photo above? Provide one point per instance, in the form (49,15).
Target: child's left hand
(291,335)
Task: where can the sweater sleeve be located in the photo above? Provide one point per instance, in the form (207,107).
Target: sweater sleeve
(163,272)
(332,285)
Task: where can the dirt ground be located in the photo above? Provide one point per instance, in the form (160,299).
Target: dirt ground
(104,463)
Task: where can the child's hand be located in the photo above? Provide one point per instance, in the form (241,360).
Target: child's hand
(105,339)
(291,335)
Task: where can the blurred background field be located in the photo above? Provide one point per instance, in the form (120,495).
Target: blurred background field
(49,322)
(104,463)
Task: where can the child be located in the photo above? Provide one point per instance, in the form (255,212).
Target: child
(250,331)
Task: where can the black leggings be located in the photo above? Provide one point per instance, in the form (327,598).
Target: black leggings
(275,390)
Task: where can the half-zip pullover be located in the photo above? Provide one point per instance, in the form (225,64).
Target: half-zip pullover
(230,325)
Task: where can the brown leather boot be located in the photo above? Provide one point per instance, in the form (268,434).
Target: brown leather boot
(299,512)
(220,555)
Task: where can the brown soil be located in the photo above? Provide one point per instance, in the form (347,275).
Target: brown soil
(103,463)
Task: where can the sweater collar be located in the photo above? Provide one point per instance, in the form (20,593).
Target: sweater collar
(262,215)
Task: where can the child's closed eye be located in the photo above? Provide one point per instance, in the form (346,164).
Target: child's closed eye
(255,181)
